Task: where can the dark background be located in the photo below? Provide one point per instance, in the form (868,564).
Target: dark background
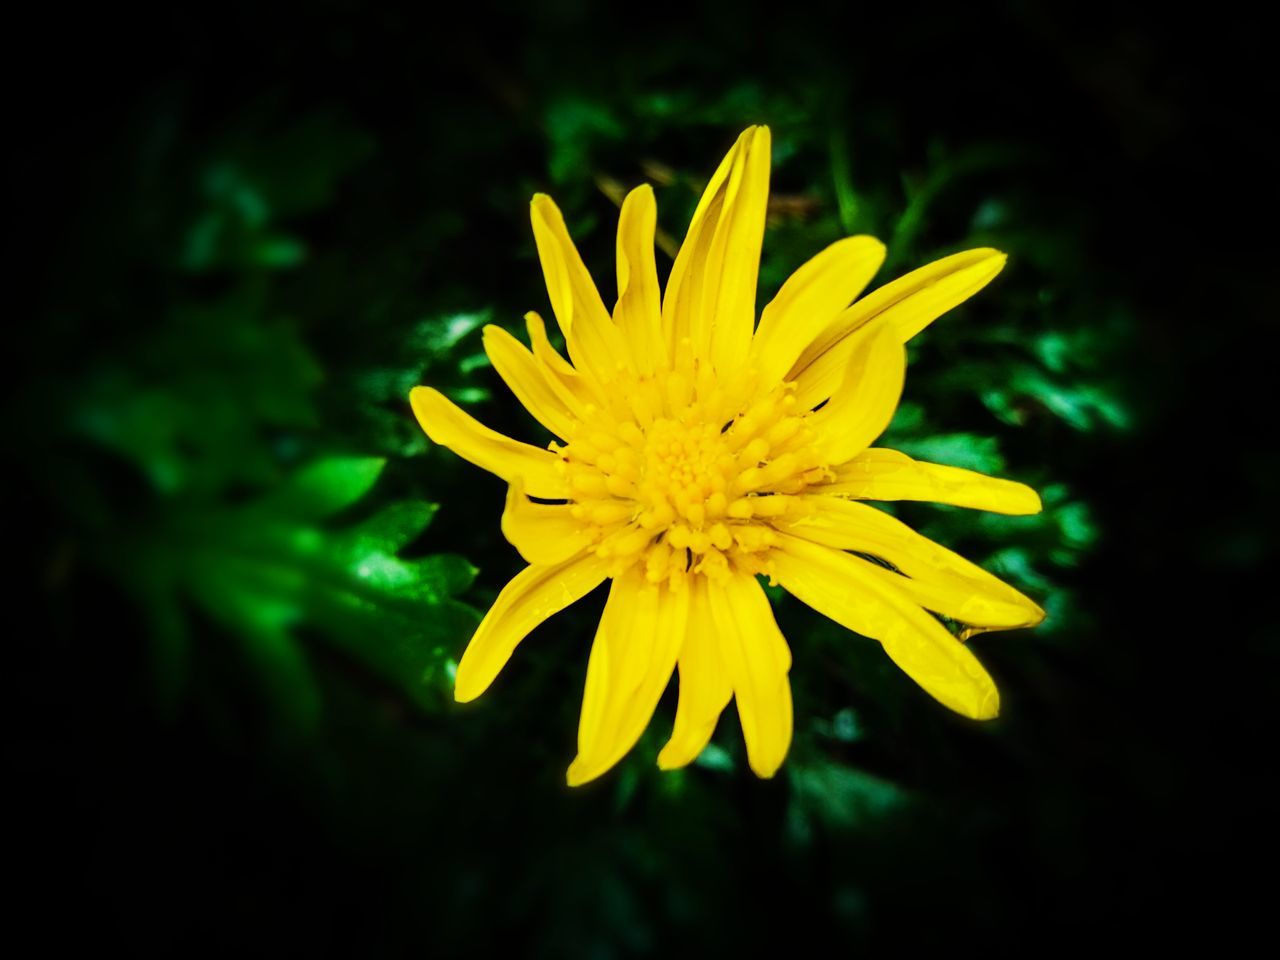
(1123,798)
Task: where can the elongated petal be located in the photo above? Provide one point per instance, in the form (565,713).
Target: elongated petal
(835,584)
(729,316)
(710,295)
(757,658)
(631,662)
(704,683)
(509,459)
(809,301)
(542,348)
(544,533)
(638,313)
(522,372)
(683,292)
(595,345)
(864,403)
(881,474)
(573,389)
(569,285)
(935,577)
(533,595)
(907,306)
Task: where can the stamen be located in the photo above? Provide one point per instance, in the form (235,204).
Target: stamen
(685,470)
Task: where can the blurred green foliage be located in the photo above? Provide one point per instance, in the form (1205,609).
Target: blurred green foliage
(246,513)
(215,405)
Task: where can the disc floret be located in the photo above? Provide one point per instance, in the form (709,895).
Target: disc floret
(689,486)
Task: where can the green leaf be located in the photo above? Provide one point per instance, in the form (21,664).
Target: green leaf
(437,336)
(392,527)
(841,796)
(327,486)
(440,576)
(271,572)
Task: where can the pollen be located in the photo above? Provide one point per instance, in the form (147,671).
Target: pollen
(685,482)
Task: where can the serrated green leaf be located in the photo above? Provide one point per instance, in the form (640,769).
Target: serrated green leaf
(441,576)
(392,527)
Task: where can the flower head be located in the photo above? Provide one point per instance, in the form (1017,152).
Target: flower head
(699,450)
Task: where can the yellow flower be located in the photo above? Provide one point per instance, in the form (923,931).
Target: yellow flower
(701,449)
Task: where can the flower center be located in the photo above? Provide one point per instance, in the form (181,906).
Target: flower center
(685,481)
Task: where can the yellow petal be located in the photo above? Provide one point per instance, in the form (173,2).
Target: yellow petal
(574,390)
(542,348)
(684,282)
(882,474)
(729,306)
(757,659)
(632,658)
(544,533)
(533,595)
(509,459)
(704,685)
(595,345)
(907,306)
(835,584)
(683,294)
(863,404)
(711,292)
(639,310)
(935,577)
(523,374)
(810,300)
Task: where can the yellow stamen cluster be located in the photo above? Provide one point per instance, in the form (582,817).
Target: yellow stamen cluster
(685,481)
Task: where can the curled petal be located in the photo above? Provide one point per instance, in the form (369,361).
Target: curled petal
(524,375)
(710,297)
(757,659)
(509,459)
(835,584)
(632,658)
(905,306)
(595,345)
(542,348)
(638,313)
(882,474)
(932,575)
(574,390)
(809,301)
(533,595)
(543,533)
(864,403)
(704,684)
